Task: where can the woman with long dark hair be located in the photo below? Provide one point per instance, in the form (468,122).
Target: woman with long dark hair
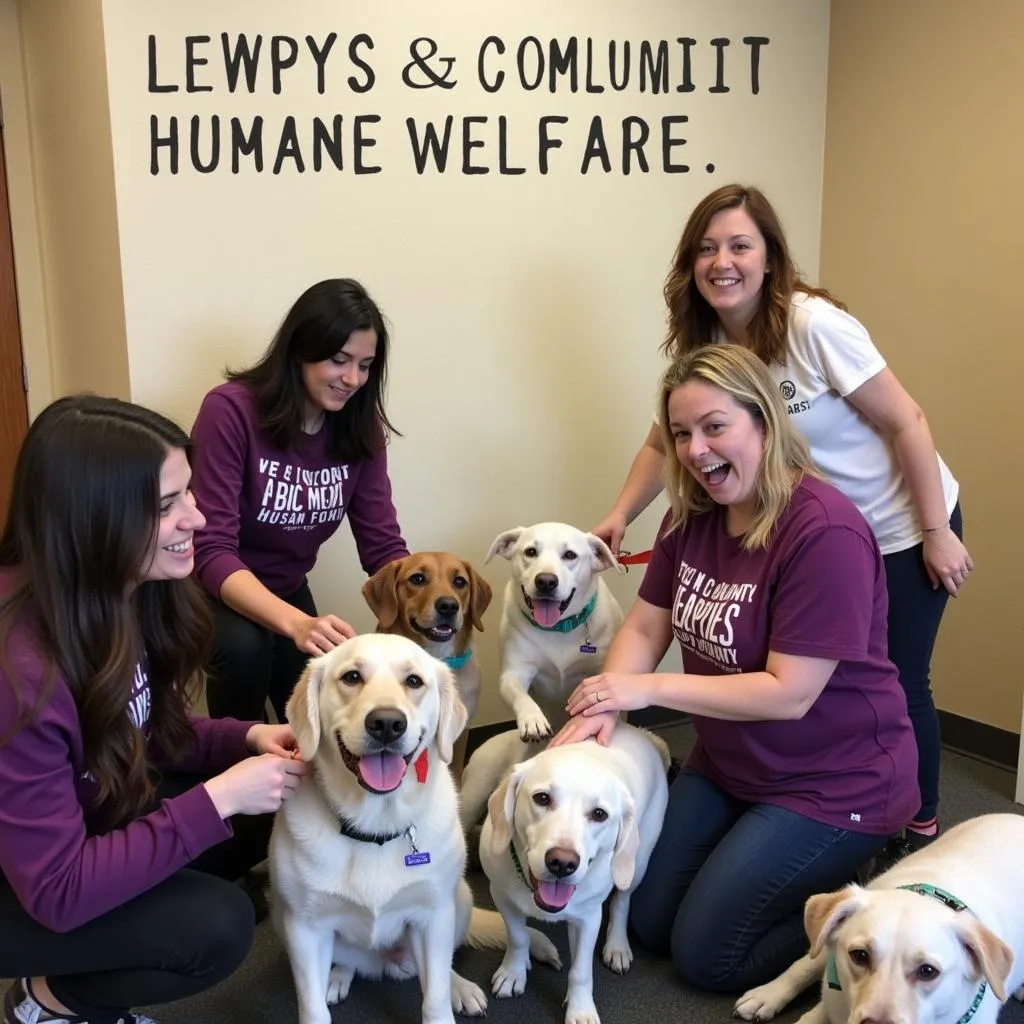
(284,450)
(124,820)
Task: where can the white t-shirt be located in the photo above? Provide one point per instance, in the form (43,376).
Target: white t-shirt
(830,354)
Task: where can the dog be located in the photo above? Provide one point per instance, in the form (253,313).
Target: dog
(938,937)
(563,829)
(436,600)
(367,857)
(557,621)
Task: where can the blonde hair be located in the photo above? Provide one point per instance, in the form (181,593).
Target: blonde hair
(786,457)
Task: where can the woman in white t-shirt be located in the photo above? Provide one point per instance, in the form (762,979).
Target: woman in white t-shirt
(733,279)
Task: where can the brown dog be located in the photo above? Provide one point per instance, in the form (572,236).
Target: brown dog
(436,600)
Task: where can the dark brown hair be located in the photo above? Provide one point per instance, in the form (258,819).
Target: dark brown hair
(85,510)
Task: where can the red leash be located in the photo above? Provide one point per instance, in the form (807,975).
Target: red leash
(628,558)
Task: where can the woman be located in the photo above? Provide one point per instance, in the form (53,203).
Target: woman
(733,280)
(774,585)
(284,450)
(121,816)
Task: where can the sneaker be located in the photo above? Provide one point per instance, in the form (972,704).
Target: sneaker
(900,846)
(20,1007)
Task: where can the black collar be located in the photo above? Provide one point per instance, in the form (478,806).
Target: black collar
(380,838)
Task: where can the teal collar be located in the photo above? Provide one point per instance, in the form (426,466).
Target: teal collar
(456,661)
(570,622)
(832,972)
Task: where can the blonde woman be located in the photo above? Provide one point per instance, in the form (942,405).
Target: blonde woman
(805,761)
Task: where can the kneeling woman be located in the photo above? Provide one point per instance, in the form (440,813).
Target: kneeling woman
(805,760)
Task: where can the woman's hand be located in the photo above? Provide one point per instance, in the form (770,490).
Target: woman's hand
(319,635)
(272,739)
(946,560)
(612,529)
(610,691)
(580,728)
(257,785)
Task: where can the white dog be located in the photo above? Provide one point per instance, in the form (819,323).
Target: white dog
(936,938)
(367,857)
(557,620)
(564,829)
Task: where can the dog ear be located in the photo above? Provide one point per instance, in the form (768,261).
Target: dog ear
(452,715)
(501,807)
(380,592)
(505,543)
(603,557)
(479,596)
(303,707)
(989,955)
(824,913)
(627,842)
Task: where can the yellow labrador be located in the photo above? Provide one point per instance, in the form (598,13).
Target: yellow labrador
(367,858)
(937,938)
(563,830)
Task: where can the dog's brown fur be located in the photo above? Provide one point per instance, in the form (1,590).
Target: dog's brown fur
(404,596)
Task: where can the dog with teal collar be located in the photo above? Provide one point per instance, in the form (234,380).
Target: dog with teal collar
(936,939)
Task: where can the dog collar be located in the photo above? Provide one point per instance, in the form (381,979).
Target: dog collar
(380,838)
(569,623)
(518,866)
(456,661)
(956,905)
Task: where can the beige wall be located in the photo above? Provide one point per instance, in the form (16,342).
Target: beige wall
(70,151)
(921,234)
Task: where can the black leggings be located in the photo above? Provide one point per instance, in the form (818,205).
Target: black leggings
(250,663)
(174,940)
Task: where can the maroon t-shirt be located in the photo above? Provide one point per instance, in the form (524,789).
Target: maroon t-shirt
(817,591)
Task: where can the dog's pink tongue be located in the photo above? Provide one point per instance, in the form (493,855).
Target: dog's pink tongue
(545,611)
(382,772)
(555,894)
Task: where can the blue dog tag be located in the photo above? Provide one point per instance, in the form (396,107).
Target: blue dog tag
(588,649)
(413,860)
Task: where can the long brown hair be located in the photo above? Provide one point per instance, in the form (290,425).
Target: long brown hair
(84,514)
(692,323)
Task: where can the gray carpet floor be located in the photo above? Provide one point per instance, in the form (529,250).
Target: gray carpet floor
(261,991)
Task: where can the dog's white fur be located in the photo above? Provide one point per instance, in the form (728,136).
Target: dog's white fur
(594,812)
(541,662)
(903,937)
(344,906)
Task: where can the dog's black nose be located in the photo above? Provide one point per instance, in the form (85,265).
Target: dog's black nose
(385,725)
(561,862)
(545,582)
(446,606)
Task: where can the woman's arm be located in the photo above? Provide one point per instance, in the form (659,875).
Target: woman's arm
(885,402)
(372,516)
(644,482)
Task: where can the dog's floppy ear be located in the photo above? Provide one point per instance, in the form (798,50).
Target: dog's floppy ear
(501,806)
(824,913)
(479,596)
(303,707)
(987,952)
(505,543)
(603,557)
(627,842)
(452,713)
(380,592)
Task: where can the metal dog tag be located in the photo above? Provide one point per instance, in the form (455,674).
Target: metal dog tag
(588,649)
(413,860)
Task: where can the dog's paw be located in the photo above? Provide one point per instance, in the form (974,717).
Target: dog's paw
(339,981)
(534,727)
(508,980)
(468,999)
(582,1014)
(617,958)
(762,1003)
(543,950)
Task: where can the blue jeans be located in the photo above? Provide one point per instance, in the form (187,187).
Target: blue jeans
(726,885)
(915,611)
